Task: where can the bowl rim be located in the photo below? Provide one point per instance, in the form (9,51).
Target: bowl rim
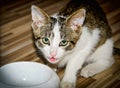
(27,63)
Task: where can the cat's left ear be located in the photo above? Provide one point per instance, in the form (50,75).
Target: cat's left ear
(39,17)
(76,20)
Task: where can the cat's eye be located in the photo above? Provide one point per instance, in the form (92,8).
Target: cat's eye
(45,40)
(63,43)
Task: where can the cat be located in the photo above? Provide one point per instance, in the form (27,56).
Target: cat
(77,37)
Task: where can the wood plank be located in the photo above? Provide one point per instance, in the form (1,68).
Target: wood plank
(16,43)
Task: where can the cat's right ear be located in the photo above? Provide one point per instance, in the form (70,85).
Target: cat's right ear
(76,20)
(39,17)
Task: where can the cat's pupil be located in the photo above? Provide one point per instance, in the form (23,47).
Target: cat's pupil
(63,43)
(45,40)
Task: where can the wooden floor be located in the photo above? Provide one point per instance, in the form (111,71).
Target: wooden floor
(16,42)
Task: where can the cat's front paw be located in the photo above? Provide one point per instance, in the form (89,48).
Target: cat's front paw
(66,84)
(87,72)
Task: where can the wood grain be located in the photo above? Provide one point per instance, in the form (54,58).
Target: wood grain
(16,43)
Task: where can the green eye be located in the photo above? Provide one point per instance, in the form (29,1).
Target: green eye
(45,40)
(63,43)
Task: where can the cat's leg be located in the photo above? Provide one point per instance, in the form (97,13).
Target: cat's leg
(78,58)
(102,59)
(69,79)
(94,68)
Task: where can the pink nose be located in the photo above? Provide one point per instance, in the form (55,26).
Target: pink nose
(53,54)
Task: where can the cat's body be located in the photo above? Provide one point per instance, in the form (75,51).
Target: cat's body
(78,37)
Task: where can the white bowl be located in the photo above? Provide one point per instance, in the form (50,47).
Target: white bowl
(28,75)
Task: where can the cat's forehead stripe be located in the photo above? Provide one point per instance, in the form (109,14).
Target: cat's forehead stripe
(56,32)
(60,32)
(59,21)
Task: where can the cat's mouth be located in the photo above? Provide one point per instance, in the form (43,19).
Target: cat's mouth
(53,60)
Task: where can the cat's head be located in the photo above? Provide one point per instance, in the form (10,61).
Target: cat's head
(56,36)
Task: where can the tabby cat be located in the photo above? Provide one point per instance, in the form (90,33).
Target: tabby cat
(77,37)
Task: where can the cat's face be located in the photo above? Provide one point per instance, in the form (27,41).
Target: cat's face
(55,37)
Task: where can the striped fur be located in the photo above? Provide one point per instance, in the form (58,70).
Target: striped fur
(78,34)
